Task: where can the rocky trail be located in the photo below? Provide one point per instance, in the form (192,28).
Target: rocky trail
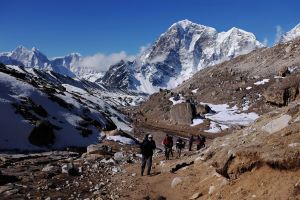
(258,162)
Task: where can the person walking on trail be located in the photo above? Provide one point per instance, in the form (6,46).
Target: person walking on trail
(179,146)
(191,140)
(198,142)
(171,146)
(147,147)
(202,141)
(168,143)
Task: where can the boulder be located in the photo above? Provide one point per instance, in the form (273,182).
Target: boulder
(97,149)
(283,71)
(282,93)
(211,190)
(48,168)
(277,124)
(203,109)
(42,134)
(176,181)
(196,195)
(120,156)
(70,169)
(183,113)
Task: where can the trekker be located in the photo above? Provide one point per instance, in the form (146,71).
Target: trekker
(191,140)
(147,148)
(179,146)
(168,144)
(202,141)
(198,142)
(171,145)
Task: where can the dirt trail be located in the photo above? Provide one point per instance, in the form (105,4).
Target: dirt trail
(259,183)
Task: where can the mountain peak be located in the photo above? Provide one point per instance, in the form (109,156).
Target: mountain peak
(75,54)
(20,48)
(186,23)
(290,35)
(235,30)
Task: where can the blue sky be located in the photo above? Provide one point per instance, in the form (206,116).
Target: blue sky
(58,27)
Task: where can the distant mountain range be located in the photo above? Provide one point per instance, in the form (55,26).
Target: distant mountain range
(67,65)
(180,52)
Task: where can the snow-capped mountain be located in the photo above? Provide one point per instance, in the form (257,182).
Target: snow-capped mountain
(76,112)
(292,34)
(180,52)
(68,65)
(28,58)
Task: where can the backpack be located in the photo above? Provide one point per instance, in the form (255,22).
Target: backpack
(203,138)
(166,141)
(170,141)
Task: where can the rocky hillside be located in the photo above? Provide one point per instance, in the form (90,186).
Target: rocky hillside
(261,161)
(184,49)
(44,110)
(228,95)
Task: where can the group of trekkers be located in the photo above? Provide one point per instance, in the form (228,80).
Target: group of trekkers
(148,146)
(200,142)
(180,144)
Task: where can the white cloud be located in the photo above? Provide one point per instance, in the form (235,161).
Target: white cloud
(101,62)
(279,32)
(144,48)
(265,41)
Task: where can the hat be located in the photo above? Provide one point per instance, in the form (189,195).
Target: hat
(150,136)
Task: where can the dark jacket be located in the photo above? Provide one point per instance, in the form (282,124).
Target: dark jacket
(147,147)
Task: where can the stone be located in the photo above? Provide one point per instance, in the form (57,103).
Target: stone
(48,168)
(120,156)
(176,181)
(108,161)
(11,192)
(196,195)
(98,149)
(69,169)
(277,124)
(283,71)
(5,188)
(293,145)
(183,113)
(203,109)
(211,190)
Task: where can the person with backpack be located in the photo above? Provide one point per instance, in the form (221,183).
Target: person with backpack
(179,146)
(198,142)
(171,145)
(166,146)
(202,141)
(147,148)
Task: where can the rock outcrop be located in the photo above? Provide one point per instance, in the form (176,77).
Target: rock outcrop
(281,93)
(182,113)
